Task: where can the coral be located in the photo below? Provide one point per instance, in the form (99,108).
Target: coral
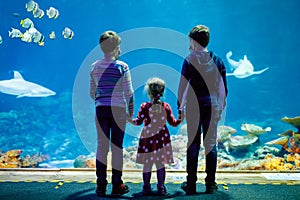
(290,162)
(224,133)
(85,162)
(14,153)
(90,163)
(293,121)
(227,164)
(290,141)
(34,160)
(13,159)
(246,153)
(33,127)
(253,129)
(250,164)
(261,153)
(291,158)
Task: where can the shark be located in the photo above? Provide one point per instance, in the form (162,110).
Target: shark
(242,68)
(21,88)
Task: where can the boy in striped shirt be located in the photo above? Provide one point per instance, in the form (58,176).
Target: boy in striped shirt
(111,89)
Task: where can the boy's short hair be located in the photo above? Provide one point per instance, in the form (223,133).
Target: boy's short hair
(200,34)
(109,40)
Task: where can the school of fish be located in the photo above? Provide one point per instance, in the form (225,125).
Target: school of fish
(31,33)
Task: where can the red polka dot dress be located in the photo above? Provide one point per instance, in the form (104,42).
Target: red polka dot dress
(155,142)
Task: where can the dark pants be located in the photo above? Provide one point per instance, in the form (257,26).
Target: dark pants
(202,119)
(110,125)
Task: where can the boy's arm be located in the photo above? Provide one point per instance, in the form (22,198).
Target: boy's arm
(223,91)
(92,87)
(183,87)
(128,91)
(223,74)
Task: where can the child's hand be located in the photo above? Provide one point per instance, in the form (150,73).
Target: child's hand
(218,115)
(181,116)
(129,119)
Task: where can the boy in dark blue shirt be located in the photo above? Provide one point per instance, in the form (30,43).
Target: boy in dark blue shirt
(202,92)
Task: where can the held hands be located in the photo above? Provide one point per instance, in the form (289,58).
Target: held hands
(129,118)
(181,116)
(218,115)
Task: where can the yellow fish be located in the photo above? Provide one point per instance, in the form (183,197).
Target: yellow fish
(52,35)
(31,6)
(38,13)
(26,23)
(52,13)
(68,33)
(26,37)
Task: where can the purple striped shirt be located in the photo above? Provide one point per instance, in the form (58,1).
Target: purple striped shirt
(111,85)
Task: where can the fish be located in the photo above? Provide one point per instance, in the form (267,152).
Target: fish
(31,6)
(15,14)
(15,33)
(242,68)
(22,88)
(52,13)
(34,35)
(26,37)
(38,13)
(52,35)
(38,37)
(26,23)
(68,33)
(1,40)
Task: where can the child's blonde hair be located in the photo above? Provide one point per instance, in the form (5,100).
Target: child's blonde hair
(155,88)
(109,40)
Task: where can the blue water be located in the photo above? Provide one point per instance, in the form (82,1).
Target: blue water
(266,31)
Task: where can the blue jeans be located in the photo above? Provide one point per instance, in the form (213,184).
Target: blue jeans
(110,125)
(203,120)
